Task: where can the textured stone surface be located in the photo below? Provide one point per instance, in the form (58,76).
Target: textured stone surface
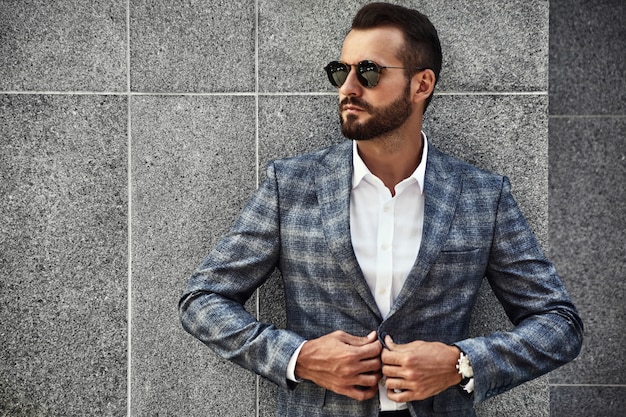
(492,45)
(587,60)
(64,180)
(588,203)
(296,42)
(585,401)
(64,45)
(193,164)
(587,197)
(293,125)
(63,260)
(192,46)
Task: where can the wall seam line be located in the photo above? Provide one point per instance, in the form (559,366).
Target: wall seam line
(590,385)
(129,220)
(587,116)
(257,388)
(258,93)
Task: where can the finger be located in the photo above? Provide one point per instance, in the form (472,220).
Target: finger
(391,357)
(370,348)
(399,395)
(361,393)
(371,337)
(357,348)
(368,379)
(390,343)
(366,366)
(395,385)
(372,365)
(392,371)
(357,340)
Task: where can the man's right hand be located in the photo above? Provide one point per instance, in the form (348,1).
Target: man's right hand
(343,363)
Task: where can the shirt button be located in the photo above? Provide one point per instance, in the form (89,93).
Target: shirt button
(387,209)
(382,291)
(385,246)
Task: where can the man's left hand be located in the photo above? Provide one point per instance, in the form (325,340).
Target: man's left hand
(419,370)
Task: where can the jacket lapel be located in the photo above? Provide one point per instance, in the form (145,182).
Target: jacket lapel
(333,182)
(442,188)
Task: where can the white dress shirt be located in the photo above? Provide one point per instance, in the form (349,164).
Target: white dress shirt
(386,233)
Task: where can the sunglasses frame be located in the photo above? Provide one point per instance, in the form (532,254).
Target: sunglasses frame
(362,67)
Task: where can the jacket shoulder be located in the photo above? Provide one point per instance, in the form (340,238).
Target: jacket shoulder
(452,165)
(307,164)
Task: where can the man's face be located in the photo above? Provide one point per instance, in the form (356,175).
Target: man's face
(366,113)
(381,120)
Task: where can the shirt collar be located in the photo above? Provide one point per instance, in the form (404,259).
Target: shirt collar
(361,170)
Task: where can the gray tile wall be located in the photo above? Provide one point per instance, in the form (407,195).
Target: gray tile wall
(132,132)
(588,197)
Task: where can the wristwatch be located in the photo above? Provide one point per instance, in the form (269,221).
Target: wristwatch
(467,373)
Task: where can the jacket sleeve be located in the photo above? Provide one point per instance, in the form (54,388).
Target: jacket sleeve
(548,330)
(212,306)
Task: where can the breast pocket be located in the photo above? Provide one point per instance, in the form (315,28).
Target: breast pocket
(459,257)
(460,268)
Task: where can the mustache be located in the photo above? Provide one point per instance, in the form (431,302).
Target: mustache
(354,101)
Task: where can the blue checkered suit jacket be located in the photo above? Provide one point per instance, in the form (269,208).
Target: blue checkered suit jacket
(298,221)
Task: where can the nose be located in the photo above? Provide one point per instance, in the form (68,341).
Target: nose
(352,86)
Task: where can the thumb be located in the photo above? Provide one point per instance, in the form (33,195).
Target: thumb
(358,340)
(371,337)
(389,343)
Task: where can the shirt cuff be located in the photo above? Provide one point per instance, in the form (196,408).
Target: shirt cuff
(291,367)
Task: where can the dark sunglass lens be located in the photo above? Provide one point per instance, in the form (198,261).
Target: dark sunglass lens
(337,73)
(368,73)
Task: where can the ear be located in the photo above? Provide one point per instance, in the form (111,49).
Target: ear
(422,85)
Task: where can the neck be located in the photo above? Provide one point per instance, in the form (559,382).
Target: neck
(393,157)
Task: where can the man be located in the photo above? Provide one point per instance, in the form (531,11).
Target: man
(383,243)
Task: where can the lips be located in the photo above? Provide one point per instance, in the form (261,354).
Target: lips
(351,108)
(353,104)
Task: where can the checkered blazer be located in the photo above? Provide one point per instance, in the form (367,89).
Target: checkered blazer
(298,221)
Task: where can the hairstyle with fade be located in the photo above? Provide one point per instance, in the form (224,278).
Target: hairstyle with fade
(421,42)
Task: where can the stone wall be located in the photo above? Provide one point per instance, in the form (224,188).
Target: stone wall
(132,132)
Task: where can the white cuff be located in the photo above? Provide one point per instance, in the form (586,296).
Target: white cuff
(291,367)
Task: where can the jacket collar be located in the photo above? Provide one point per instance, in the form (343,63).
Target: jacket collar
(333,181)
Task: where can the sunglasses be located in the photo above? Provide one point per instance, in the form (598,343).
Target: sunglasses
(367,72)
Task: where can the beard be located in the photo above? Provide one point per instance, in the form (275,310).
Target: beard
(382,121)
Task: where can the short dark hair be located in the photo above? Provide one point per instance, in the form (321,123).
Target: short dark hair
(422,48)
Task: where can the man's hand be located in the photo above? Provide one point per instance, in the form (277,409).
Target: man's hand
(419,370)
(343,363)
